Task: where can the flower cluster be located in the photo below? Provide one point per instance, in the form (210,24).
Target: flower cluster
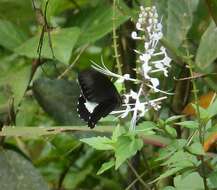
(152,58)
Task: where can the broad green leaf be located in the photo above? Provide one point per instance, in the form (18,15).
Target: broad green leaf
(204,113)
(187,160)
(106,166)
(213,179)
(145,127)
(126,147)
(55,7)
(18,173)
(171,148)
(16,81)
(19,12)
(117,132)
(63,42)
(10,35)
(192,181)
(96,22)
(99,143)
(189,124)
(167,173)
(171,131)
(196,148)
(207,51)
(180,19)
(59,99)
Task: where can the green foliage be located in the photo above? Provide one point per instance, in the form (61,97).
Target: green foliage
(59,99)
(12,33)
(167,150)
(180,19)
(190,181)
(123,145)
(19,173)
(105,166)
(63,41)
(207,51)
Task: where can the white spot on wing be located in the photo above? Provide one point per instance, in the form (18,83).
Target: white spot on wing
(90,106)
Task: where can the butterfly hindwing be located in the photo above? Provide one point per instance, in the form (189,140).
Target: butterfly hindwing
(98,89)
(102,110)
(82,110)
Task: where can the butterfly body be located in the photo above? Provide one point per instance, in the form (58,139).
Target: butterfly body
(97,89)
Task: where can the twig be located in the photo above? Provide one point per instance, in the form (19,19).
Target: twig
(135,180)
(73,63)
(138,176)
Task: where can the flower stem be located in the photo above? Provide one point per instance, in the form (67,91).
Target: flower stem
(115,37)
(201,128)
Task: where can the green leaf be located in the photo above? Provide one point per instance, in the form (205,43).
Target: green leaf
(117,132)
(106,166)
(196,148)
(192,181)
(10,35)
(180,19)
(99,143)
(189,124)
(212,111)
(63,42)
(126,147)
(181,159)
(167,173)
(207,51)
(19,12)
(173,118)
(171,131)
(58,98)
(16,81)
(172,148)
(145,127)
(213,179)
(18,173)
(96,23)
(204,113)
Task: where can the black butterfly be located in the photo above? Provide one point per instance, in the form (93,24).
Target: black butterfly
(96,88)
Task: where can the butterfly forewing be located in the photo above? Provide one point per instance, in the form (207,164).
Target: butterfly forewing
(96,87)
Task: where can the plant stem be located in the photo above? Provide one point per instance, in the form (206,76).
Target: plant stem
(201,127)
(115,37)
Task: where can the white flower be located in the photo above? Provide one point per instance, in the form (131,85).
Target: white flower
(152,59)
(122,79)
(155,82)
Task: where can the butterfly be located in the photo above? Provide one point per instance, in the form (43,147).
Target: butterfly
(98,96)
